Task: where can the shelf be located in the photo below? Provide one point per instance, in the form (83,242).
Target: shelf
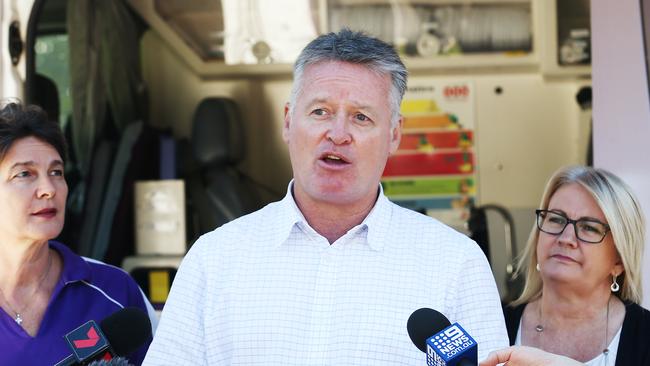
(434,64)
(550,58)
(432,2)
(209,67)
(475,61)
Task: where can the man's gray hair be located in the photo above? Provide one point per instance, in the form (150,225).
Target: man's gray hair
(357,48)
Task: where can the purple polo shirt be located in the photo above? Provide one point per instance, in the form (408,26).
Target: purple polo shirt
(86,290)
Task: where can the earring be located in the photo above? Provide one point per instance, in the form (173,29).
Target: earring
(614,287)
(537,267)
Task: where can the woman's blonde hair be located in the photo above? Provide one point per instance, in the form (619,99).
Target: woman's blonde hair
(624,217)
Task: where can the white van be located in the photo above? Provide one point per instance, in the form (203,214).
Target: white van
(499,97)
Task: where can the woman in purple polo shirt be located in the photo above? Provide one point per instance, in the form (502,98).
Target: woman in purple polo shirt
(46,291)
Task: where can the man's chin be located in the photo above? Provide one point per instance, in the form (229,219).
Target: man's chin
(340,198)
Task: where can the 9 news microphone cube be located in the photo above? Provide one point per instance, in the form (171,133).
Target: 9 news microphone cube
(451,346)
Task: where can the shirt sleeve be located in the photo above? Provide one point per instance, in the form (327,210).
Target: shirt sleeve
(475,303)
(179,339)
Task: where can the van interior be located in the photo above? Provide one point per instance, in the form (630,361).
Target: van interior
(173,112)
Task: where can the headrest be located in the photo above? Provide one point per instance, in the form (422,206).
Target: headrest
(46,96)
(217,132)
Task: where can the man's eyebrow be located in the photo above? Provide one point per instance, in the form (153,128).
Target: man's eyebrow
(356,105)
(316,100)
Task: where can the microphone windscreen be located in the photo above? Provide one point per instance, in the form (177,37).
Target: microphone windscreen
(424,323)
(127,330)
(117,361)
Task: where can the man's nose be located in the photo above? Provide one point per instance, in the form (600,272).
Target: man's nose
(338,131)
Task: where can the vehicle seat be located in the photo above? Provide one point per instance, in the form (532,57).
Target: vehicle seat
(217,191)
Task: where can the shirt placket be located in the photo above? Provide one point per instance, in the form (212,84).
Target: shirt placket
(323,311)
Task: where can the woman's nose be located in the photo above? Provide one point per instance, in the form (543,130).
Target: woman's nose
(568,235)
(46,188)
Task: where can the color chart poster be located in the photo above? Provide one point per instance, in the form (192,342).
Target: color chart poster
(434,169)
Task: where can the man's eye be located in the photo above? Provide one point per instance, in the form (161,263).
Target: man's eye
(361,117)
(319,112)
(23,174)
(56,173)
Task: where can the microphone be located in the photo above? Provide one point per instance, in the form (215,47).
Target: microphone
(422,324)
(117,361)
(444,343)
(121,333)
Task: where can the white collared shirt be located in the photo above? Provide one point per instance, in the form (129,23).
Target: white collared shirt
(266,289)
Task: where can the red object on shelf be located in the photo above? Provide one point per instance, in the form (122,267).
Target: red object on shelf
(429,164)
(436,140)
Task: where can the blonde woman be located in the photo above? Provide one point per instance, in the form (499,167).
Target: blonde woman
(583,273)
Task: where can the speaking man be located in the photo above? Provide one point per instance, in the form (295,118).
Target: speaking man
(330,274)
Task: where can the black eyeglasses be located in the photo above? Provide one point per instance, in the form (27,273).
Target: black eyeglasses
(587,230)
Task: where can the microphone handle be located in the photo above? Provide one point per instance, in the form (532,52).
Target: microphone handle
(466,362)
(68,361)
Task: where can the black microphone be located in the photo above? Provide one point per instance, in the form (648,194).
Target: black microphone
(117,361)
(120,334)
(422,324)
(444,343)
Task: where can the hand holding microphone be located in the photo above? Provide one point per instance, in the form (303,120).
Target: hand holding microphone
(444,343)
(527,356)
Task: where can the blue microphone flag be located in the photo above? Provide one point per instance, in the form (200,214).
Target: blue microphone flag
(451,346)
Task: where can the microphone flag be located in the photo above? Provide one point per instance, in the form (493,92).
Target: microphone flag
(451,346)
(88,341)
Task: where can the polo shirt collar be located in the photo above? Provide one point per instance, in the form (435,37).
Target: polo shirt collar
(376,223)
(75,268)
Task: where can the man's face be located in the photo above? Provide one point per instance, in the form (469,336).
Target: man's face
(339,134)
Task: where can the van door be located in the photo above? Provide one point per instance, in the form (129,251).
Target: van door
(14,16)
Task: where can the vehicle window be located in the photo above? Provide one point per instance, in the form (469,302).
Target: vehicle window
(52,62)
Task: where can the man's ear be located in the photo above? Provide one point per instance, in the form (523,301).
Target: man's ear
(396,135)
(287,123)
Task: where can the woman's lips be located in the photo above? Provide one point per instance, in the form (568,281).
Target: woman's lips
(563,258)
(46,212)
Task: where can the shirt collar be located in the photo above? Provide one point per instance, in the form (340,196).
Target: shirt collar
(377,222)
(75,268)
(288,217)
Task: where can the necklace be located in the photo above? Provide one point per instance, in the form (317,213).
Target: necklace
(539,328)
(18,318)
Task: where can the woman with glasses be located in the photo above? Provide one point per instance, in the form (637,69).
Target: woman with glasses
(583,273)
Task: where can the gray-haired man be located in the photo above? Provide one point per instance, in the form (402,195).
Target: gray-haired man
(330,274)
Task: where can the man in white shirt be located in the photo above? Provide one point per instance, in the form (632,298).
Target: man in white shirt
(330,274)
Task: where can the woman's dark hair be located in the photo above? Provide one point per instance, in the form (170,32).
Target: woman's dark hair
(18,121)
